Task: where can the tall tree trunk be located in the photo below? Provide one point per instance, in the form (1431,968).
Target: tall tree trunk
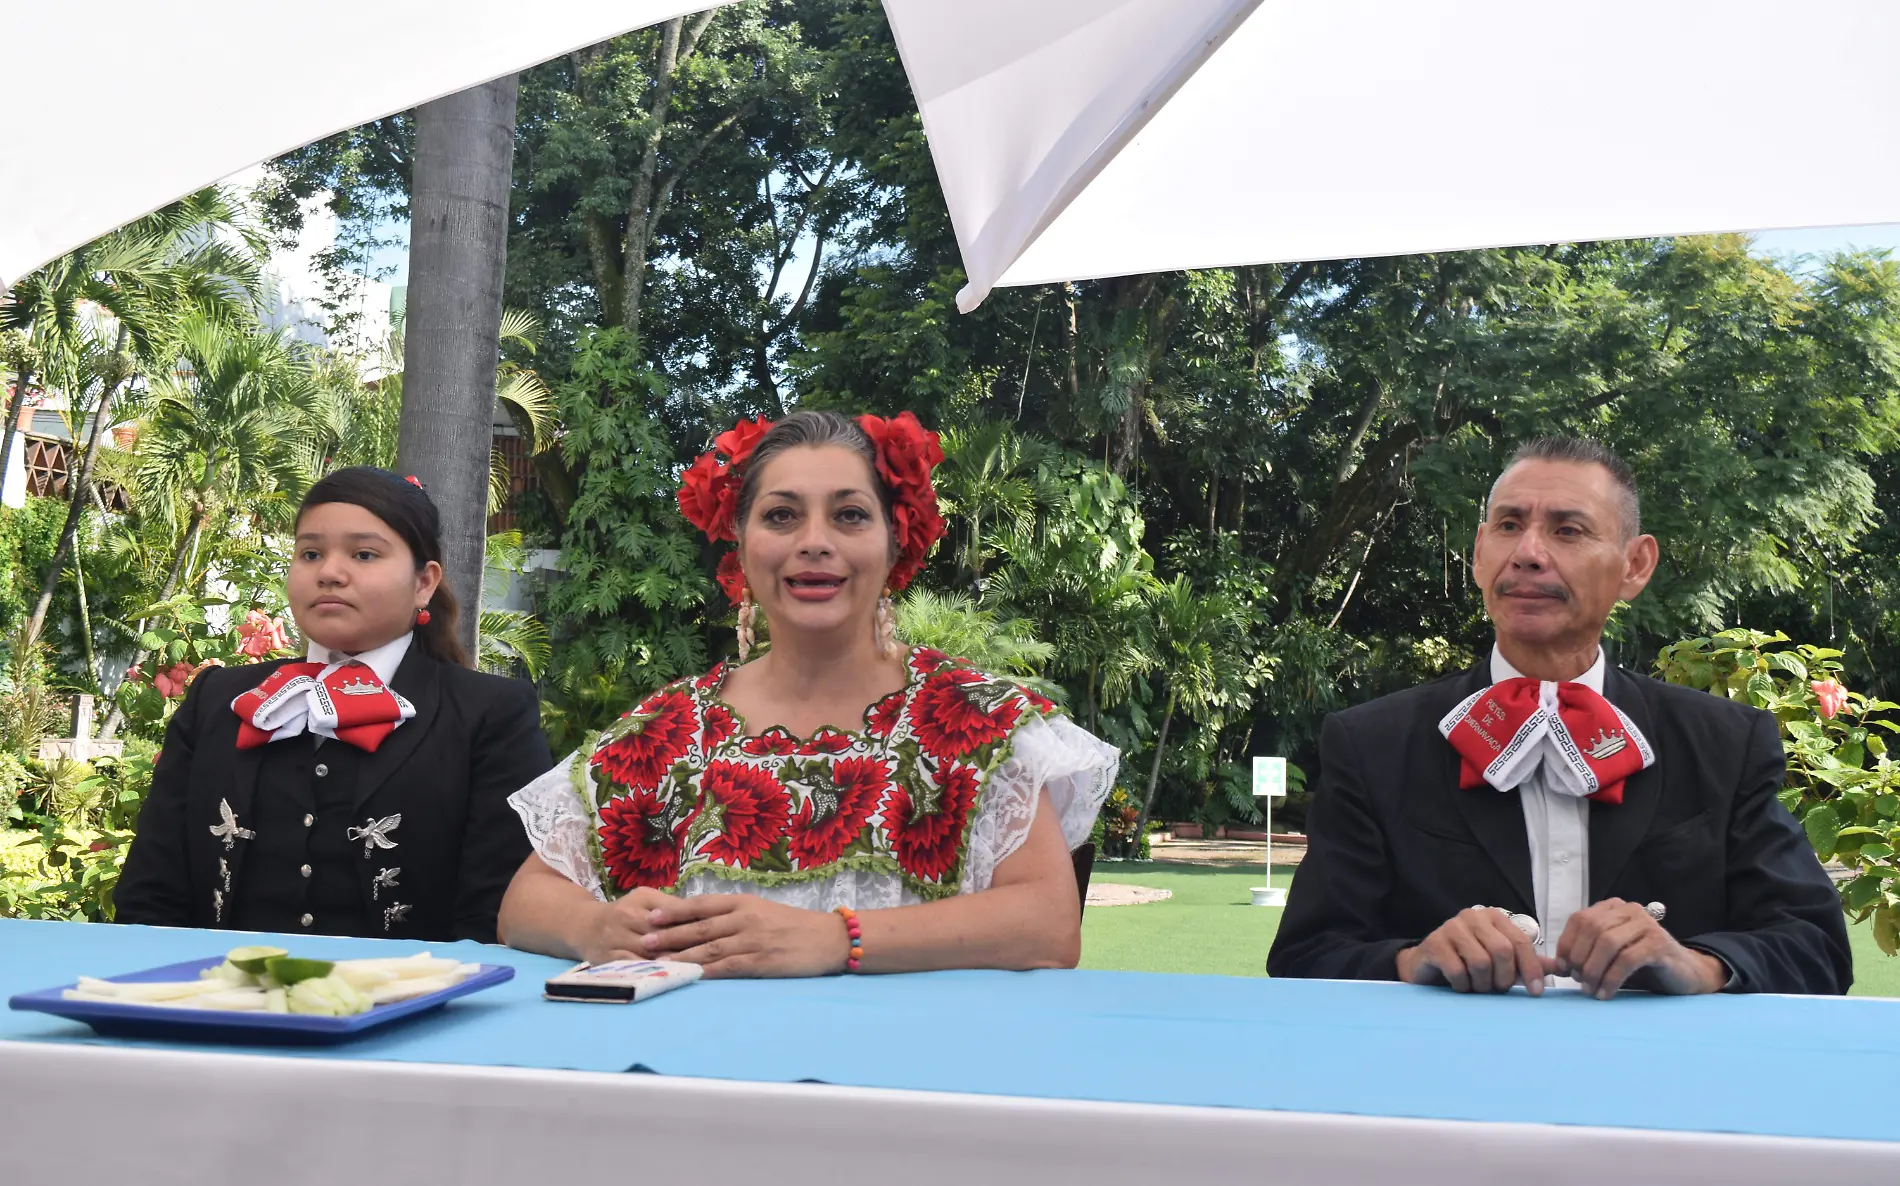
(22,375)
(1154,771)
(458,252)
(78,492)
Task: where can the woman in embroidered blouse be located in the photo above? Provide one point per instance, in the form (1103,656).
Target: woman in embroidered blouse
(727,818)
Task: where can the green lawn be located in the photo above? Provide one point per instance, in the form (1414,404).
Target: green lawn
(1209,926)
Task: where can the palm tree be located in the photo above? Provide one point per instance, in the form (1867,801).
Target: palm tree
(988,474)
(1195,634)
(458,249)
(232,426)
(197,257)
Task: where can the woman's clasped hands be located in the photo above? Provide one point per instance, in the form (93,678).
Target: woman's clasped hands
(729,935)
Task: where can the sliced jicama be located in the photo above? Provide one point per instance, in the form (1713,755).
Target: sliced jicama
(274,1001)
(421,964)
(151,991)
(364,978)
(238,1000)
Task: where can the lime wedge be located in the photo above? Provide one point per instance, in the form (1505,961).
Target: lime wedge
(253,959)
(288,971)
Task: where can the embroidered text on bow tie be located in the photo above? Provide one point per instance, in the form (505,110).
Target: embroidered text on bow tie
(1585,744)
(345,701)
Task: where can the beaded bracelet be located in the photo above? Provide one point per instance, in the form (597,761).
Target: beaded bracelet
(852,929)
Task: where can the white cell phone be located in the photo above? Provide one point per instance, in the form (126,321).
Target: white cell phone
(620,982)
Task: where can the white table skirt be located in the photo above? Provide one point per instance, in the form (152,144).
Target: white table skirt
(154,1118)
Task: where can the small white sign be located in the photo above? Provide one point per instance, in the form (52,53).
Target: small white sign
(1269,778)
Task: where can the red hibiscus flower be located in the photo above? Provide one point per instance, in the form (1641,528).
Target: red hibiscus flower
(720,724)
(709,497)
(925,660)
(754,806)
(738,441)
(1041,703)
(711,678)
(885,713)
(834,814)
(949,724)
(641,758)
(826,741)
(769,743)
(640,838)
(931,845)
(906,453)
(731,577)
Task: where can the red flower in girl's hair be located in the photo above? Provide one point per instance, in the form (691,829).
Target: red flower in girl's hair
(709,491)
(906,453)
(738,441)
(731,577)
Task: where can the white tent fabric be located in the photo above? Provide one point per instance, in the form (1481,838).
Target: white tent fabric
(123,105)
(1086,138)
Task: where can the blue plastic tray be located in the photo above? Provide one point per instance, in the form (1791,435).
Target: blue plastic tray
(212,1025)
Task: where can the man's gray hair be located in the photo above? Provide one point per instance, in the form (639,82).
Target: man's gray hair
(1583,451)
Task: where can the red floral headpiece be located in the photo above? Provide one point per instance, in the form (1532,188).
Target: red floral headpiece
(906,453)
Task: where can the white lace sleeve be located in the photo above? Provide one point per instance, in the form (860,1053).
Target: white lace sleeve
(1075,768)
(559,823)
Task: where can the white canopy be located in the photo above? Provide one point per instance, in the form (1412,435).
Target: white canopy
(122,106)
(1086,138)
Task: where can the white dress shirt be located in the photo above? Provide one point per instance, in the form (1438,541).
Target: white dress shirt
(383,660)
(1559,829)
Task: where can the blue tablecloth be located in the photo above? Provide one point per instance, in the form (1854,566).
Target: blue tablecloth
(1759,1065)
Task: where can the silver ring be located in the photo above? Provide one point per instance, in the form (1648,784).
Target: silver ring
(1523,922)
(1656,910)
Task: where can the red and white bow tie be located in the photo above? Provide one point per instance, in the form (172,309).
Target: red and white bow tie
(345,700)
(1584,743)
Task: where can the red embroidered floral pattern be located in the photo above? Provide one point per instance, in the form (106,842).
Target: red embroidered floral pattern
(640,758)
(752,807)
(930,846)
(949,723)
(720,724)
(826,741)
(683,792)
(772,741)
(836,809)
(639,844)
(885,714)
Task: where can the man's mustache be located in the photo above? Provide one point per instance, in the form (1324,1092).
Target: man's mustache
(1506,586)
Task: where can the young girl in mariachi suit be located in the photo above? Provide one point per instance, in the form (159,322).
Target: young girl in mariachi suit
(362,790)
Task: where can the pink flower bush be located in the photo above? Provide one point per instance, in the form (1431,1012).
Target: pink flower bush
(1831,695)
(172,681)
(262,635)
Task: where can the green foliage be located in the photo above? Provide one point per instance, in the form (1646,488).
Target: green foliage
(955,625)
(1842,782)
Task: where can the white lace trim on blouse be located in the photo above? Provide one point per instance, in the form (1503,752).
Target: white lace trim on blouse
(1055,756)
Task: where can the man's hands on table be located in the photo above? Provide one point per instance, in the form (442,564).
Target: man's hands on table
(1477,950)
(1602,947)
(1608,942)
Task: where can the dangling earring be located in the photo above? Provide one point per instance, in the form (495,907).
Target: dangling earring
(885,631)
(746,609)
(422,617)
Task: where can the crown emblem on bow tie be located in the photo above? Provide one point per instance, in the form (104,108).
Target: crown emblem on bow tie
(1607,745)
(359,688)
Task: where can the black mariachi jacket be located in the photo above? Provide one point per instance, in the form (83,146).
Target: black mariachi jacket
(1394,847)
(423,824)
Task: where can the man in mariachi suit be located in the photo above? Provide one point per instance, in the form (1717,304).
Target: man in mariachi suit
(1549,815)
